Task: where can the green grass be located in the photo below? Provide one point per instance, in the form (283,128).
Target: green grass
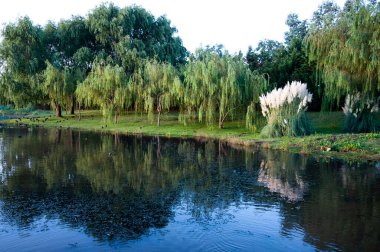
(139,124)
(10,112)
(327,141)
(346,146)
(327,122)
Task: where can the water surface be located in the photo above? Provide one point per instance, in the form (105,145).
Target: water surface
(64,190)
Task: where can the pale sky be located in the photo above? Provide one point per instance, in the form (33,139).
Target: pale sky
(235,24)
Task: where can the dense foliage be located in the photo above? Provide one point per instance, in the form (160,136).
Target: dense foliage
(106,87)
(119,59)
(109,35)
(288,61)
(155,89)
(345,46)
(23,54)
(54,87)
(218,85)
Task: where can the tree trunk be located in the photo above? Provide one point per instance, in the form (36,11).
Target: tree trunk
(58,110)
(220,121)
(158,116)
(72,110)
(79,111)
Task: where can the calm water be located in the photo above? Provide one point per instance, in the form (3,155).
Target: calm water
(64,190)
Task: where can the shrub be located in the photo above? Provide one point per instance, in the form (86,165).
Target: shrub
(359,114)
(284,108)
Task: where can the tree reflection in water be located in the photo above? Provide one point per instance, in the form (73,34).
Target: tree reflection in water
(284,174)
(343,207)
(117,188)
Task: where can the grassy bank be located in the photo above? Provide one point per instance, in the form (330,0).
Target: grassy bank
(328,141)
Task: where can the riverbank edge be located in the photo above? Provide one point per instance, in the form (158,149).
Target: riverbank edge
(349,147)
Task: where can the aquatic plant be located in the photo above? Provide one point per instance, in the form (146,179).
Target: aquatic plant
(284,108)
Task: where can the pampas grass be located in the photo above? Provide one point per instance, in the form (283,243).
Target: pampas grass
(359,114)
(284,108)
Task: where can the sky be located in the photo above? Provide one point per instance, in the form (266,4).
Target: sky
(236,24)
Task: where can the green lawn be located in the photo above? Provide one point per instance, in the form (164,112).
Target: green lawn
(327,122)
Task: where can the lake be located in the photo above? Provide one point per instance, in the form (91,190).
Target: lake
(66,190)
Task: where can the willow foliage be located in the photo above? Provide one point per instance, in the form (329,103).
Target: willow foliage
(346,46)
(154,88)
(252,116)
(217,86)
(106,87)
(22,56)
(54,87)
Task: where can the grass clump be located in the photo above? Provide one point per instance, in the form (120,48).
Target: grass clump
(360,114)
(284,108)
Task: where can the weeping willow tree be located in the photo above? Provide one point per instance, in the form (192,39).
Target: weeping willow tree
(153,88)
(71,78)
(54,88)
(60,85)
(22,57)
(259,86)
(106,87)
(217,86)
(345,44)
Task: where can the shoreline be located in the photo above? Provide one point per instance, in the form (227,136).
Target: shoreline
(349,147)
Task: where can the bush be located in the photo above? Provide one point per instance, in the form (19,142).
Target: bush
(284,108)
(359,114)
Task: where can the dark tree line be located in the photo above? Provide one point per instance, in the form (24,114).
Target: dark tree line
(287,61)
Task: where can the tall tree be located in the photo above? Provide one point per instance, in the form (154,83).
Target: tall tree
(345,45)
(23,55)
(217,86)
(288,61)
(269,59)
(157,92)
(106,87)
(297,28)
(119,30)
(54,87)
(68,47)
